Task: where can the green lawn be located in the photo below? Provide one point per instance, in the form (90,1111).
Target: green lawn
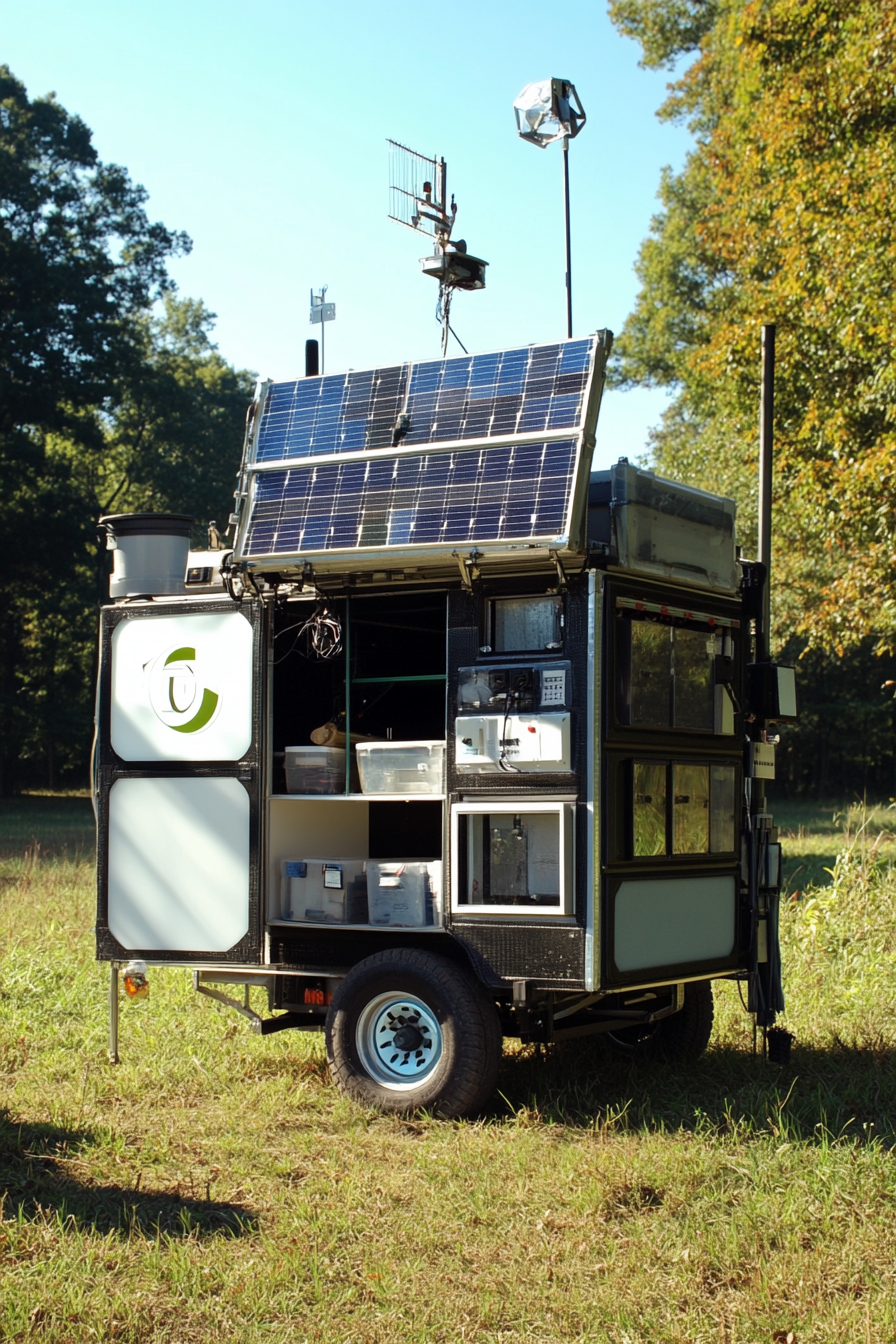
(214,1187)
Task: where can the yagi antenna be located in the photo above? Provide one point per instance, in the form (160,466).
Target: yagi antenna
(418,198)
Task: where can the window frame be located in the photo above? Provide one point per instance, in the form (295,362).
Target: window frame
(669,762)
(564,810)
(627,609)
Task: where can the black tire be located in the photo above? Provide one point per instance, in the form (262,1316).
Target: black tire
(408,1030)
(680,1038)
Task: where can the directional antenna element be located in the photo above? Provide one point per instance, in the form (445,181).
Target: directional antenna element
(418,198)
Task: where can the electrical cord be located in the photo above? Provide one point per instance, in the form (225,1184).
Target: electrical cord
(323,631)
(509,699)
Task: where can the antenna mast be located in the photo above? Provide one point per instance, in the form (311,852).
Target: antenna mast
(418,198)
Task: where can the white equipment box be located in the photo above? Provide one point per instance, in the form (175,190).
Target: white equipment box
(531,743)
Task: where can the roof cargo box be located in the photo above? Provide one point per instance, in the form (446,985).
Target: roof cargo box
(658,527)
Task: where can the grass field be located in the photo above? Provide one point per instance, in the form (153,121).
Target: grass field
(214,1187)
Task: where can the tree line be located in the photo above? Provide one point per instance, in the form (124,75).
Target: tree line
(783,213)
(113,397)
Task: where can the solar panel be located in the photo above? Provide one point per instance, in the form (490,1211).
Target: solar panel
(480,450)
(525,391)
(341,413)
(501,493)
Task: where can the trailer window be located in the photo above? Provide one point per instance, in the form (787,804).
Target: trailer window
(690,809)
(722,809)
(510,858)
(649,808)
(682,807)
(649,685)
(513,859)
(665,677)
(527,624)
(693,661)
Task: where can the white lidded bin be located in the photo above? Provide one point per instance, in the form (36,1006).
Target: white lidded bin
(404,893)
(401,767)
(151,552)
(317,770)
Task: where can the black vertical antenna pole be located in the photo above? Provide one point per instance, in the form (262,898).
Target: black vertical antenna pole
(568,237)
(766,450)
(442,185)
(323,327)
(442,204)
(312,359)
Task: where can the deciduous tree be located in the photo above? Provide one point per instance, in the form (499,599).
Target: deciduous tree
(783,212)
(113,398)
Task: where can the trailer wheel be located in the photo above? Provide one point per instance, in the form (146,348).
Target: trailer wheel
(407,1029)
(683,1036)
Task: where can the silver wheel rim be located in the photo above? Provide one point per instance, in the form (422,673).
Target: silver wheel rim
(399,1041)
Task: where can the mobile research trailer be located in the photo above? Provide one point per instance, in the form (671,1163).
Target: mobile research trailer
(460,741)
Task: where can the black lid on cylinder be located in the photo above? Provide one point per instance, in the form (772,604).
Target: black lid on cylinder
(148,524)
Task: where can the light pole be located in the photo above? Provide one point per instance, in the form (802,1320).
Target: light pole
(549,110)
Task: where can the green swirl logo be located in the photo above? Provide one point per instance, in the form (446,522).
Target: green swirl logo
(180,697)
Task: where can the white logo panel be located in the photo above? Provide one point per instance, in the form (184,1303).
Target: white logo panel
(182,687)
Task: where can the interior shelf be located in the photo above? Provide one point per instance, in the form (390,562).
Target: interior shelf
(429,676)
(367,928)
(358,797)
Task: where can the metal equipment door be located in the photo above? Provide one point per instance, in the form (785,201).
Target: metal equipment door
(178,782)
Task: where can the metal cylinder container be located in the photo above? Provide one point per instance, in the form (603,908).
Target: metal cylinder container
(151,551)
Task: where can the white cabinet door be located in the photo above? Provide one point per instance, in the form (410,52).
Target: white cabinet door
(182,687)
(179,863)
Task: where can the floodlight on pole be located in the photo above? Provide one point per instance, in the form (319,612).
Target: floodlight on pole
(549,110)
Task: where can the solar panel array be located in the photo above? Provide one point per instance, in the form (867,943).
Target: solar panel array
(323,478)
(491,494)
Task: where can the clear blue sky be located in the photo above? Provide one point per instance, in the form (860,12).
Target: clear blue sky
(261,131)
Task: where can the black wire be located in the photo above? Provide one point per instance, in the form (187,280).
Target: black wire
(502,758)
(458,339)
(324,633)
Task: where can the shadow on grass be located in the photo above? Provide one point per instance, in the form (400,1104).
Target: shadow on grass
(822,1096)
(35,1183)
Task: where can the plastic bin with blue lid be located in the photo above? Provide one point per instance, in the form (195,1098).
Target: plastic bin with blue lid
(402,767)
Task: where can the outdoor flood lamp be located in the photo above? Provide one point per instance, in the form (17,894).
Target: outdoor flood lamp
(549,110)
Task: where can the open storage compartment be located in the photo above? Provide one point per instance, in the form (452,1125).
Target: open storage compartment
(347,858)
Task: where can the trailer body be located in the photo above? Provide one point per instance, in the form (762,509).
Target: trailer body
(536,820)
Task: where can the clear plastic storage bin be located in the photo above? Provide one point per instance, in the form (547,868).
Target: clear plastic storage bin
(404,894)
(324,891)
(401,767)
(317,770)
